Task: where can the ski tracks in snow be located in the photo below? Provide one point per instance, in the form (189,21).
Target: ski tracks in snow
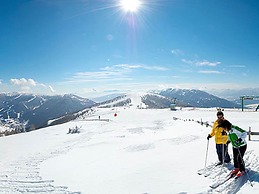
(232,186)
(159,127)
(22,176)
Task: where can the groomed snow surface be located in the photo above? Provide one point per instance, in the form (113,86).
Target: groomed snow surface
(139,151)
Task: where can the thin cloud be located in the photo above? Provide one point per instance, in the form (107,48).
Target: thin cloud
(121,67)
(152,68)
(177,52)
(177,76)
(127,66)
(155,68)
(210,72)
(237,66)
(98,74)
(112,73)
(188,61)
(207,63)
(201,63)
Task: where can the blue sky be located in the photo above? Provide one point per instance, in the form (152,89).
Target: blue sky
(94,47)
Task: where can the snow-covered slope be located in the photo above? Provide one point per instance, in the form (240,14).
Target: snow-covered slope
(136,100)
(140,100)
(137,151)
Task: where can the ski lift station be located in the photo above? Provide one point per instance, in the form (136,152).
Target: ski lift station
(173,106)
(242,98)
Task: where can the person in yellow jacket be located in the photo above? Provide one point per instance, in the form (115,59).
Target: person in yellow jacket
(221,139)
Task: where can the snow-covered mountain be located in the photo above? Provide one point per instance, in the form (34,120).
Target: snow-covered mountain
(181,97)
(197,98)
(234,94)
(106,97)
(36,110)
(141,100)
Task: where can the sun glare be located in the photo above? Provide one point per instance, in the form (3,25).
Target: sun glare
(130,5)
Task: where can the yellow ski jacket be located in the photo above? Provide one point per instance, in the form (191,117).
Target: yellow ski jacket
(220,138)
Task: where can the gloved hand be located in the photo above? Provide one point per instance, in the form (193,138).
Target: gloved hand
(223,133)
(227,142)
(209,136)
(238,142)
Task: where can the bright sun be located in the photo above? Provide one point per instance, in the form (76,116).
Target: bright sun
(130,5)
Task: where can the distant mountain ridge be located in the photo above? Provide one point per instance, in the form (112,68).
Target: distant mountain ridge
(163,99)
(234,94)
(139,100)
(36,110)
(197,98)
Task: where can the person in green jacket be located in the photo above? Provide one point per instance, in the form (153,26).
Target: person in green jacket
(237,137)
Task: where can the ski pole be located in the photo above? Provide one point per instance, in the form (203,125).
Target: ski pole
(223,152)
(248,177)
(206,153)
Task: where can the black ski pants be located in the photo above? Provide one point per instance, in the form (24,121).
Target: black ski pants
(238,154)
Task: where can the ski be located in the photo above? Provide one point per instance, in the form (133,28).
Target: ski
(233,178)
(237,177)
(232,185)
(220,182)
(206,169)
(211,170)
